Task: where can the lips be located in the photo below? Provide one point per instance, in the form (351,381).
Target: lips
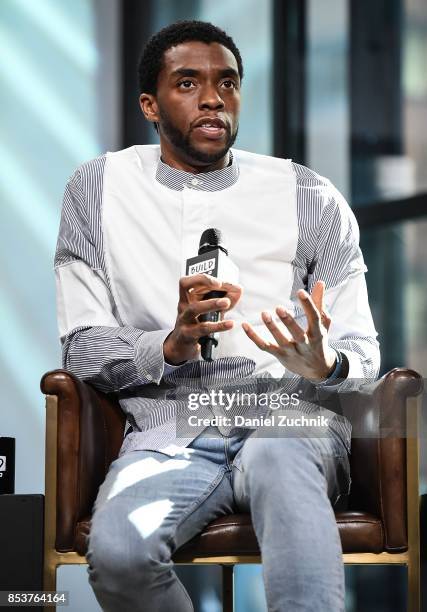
(210,127)
(209,121)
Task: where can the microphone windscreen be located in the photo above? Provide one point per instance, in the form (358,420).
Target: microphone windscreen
(211,239)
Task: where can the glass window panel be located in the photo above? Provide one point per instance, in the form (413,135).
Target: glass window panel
(49,122)
(327,98)
(366,121)
(415,89)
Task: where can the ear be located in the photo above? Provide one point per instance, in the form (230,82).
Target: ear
(149,107)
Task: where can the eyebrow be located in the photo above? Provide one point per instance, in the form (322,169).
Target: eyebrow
(191,72)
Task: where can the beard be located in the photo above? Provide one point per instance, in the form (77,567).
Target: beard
(182,142)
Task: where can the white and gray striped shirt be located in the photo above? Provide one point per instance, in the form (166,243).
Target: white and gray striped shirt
(128,223)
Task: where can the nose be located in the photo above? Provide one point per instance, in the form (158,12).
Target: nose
(210,98)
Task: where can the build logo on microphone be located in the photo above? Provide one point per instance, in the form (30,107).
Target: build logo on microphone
(203,267)
(206,263)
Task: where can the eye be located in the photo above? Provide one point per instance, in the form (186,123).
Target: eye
(229,84)
(186,84)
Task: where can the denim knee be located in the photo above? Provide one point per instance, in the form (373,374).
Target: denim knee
(124,562)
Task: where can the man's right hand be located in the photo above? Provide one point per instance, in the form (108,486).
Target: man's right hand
(182,343)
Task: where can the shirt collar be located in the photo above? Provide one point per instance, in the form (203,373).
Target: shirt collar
(203,181)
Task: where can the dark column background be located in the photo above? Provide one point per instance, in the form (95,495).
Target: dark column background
(376,130)
(289,55)
(375,89)
(136,19)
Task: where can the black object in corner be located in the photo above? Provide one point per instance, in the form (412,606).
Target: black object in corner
(21,543)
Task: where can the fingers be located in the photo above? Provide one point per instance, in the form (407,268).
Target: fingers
(188,329)
(193,331)
(260,342)
(233,292)
(208,327)
(196,286)
(197,282)
(280,338)
(326,319)
(283,342)
(298,334)
(317,294)
(312,314)
(194,309)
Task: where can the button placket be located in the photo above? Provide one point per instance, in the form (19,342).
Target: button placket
(194,220)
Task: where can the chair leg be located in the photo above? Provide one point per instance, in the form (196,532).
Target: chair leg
(414,584)
(49,579)
(227,588)
(413,503)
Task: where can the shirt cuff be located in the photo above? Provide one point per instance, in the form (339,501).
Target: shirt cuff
(355,368)
(335,375)
(169,367)
(149,358)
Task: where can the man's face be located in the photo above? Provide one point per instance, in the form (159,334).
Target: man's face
(198,102)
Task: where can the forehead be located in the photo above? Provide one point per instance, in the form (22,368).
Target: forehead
(199,56)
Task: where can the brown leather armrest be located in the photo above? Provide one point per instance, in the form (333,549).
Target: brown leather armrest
(90,433)
(378,454)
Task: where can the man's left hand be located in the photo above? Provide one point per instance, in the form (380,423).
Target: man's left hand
(304,352)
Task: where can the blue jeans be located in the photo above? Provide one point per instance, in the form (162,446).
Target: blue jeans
(150,504)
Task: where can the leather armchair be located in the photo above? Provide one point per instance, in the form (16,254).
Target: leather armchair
(84,432)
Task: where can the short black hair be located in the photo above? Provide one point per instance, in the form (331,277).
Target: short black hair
(151,61)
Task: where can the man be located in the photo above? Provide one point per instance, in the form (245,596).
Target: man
(130,220)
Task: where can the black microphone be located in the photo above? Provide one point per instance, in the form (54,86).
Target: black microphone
(212,259)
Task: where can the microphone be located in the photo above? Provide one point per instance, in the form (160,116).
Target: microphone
(212,259)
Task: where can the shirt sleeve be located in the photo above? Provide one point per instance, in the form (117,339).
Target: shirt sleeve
(96,346)
(332,254)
